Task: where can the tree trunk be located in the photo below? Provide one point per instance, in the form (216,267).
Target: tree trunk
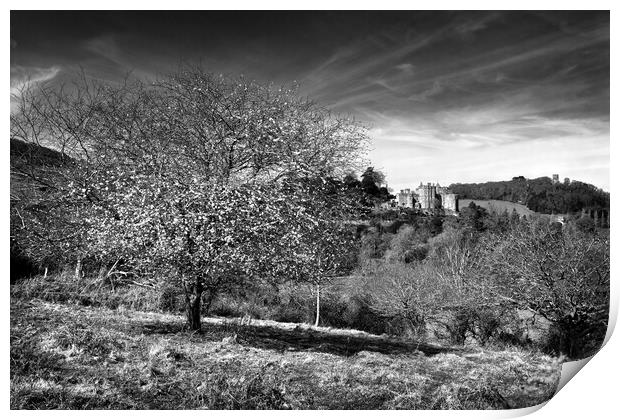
(318,305)
(78,268)
(45,274)
(193,305)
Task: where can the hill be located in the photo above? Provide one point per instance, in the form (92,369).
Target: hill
(497,206)
(35,169)
(36,173)
(35,154)
(540,195)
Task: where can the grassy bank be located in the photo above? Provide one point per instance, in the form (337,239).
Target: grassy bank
(75,357)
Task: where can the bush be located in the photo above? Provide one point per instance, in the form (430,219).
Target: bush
(416,253)
(564,273)
(481,326)
(586,225)
(170,298)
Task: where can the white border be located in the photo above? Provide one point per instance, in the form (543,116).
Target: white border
(593,393)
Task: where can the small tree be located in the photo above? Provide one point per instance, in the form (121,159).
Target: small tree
(372,190)
(327,248)
(403,291)
(474,216)
(454,254)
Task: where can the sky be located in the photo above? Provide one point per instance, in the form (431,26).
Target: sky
(448,96)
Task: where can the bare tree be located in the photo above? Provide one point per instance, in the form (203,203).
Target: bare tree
(405,291)
(559,273)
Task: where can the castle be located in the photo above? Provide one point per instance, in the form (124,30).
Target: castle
(429,197)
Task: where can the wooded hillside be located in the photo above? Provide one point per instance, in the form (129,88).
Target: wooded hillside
(538,194)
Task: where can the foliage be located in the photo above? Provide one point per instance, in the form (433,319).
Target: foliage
(408,245)
(539,194)
(216,237)
(561,274)
(474,216)
(586,225)
(369,188)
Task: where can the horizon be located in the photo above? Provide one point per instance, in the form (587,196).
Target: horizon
(450,97)
(415,185)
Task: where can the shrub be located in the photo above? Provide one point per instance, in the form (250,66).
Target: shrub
(564,273)
(170,298)
(586,225)
(481,326)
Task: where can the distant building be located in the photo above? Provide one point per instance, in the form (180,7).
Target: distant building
(555,179)
(450,202)
(566,181)
(405,198)
(429,197)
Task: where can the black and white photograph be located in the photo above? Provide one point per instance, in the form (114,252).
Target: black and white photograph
(306,209)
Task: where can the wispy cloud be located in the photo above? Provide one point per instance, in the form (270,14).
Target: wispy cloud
(407,68)
(105,46)
(24,77)
(451,96)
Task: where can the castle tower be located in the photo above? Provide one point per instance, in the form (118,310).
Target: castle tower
(405,198)
(450,202)
(427,194)
(555,179)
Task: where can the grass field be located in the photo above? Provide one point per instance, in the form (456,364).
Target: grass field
(75,357)
(497,206)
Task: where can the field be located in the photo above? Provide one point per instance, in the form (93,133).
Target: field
(76,357)
(497,206)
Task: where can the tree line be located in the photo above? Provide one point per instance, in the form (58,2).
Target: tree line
(540,194)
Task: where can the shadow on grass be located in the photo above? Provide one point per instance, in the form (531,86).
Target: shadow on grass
(300,339)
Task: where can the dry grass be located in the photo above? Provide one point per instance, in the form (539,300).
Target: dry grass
(72,357)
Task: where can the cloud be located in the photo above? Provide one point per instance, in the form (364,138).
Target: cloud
(406,68)
(104,46)
(435,89)
(479,145)
(468,26)
(22,77)
(360,74)
(353,67)
(530,96)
